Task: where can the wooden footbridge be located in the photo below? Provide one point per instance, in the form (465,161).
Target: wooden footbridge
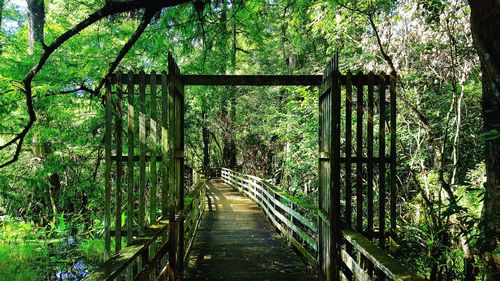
(241,227)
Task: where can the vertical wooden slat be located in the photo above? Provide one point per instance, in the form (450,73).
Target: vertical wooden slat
(142,140)
(142,166)
(335,176)
(393,154)
(107,174)
(164,144)
(321,141)
(348,150)
(119,165)
(381,146)
(180,175)
(171,155)
(153,134)
(130,160)
(359,155)
(130,167)
(369,165)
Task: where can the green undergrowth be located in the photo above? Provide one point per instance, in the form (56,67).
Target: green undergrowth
(23,261)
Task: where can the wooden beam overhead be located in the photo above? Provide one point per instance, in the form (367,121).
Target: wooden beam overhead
(240,80)
(252,80)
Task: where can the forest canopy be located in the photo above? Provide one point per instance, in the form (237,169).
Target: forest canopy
(56,55)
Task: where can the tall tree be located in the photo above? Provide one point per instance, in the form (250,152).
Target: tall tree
(36,22)
(485,23)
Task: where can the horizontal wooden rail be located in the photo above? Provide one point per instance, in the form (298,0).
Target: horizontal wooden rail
(252,80)
(298,222)
(137,256)
(194,207)
(118,263)
(357,79)
(237,80)
(295,220)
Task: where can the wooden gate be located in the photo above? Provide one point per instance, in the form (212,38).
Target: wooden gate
(147,167)
(357,127)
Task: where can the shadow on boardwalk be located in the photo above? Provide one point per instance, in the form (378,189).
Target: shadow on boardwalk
(235,241)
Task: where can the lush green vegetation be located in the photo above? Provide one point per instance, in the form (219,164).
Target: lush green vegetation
(54,191)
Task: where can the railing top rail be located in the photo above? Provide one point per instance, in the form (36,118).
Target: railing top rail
(119,262)
(383,261)
(296,201)
(126,256)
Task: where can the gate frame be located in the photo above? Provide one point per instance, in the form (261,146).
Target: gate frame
(172,154)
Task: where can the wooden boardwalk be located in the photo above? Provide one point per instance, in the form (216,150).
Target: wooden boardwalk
(235,241)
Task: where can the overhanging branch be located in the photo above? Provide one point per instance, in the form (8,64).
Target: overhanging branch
(110,8)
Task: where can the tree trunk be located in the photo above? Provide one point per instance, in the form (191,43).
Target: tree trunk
(36,21)
(485,23)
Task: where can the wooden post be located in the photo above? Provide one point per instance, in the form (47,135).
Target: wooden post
(180,178)
(119,166)
(130,174)
(348,150)
(142,137)
(335,178)
(130,160)
(393,155)
(359,155)
(164,144)
(369,166)
(107,174)
(171,162)
(153,141)
(381,147)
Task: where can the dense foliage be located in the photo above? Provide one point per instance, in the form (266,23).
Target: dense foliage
(57,183)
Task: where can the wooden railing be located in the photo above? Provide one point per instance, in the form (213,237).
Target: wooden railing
(146,257)
(294,219)
(361,258)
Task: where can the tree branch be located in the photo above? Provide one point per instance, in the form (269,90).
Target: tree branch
(148,16)
(110,8)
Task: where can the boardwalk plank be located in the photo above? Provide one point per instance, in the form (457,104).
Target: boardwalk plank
(235,241)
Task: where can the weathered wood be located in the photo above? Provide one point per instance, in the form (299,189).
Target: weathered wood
(324,255)
(354,267)
(359,156)
(235,241)
(270,200)
(388,265)
(107,173)
(130,163)
(335,177)
(241,80)
(381,146)
(326,156)
(164,144)
(355,79)
(267,196)
(153,142)
(369,143)
(142,143)
(179,161)
(171,163)
(348,150)
(119,165)
(252,80)
(393,155)
(118,263)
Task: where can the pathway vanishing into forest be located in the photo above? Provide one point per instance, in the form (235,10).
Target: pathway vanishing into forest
(235,241)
